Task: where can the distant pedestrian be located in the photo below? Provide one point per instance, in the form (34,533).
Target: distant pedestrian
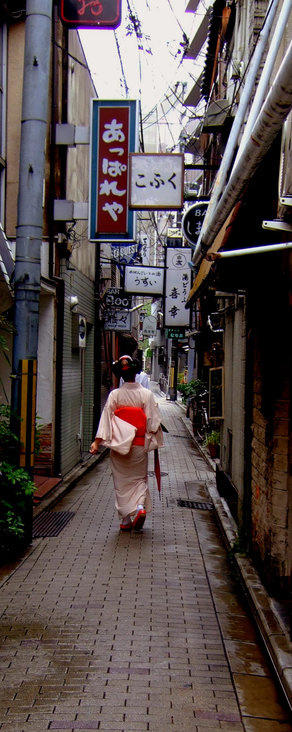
(130,426)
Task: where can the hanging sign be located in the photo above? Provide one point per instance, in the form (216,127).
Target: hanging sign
(149,326)
(177,287)
(175,333)
(156,180)
(91,13)
(115,297)
(192,221)
(113,136)
(144,280)
(127,253)
(117,320)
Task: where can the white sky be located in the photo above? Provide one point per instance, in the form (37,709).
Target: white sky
(159,70)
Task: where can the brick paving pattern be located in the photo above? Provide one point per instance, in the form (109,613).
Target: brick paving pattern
(108,631)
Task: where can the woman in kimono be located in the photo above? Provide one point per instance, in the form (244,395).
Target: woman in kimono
(130,426)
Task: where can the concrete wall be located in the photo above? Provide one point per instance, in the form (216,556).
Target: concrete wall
(232,450)
(270,485)
(80,93)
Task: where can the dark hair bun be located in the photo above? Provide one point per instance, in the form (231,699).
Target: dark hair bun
(126,366)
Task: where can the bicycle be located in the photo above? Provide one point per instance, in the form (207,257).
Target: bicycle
(199,415)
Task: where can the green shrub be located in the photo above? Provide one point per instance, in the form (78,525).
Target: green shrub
(16,490)
(193,388)
(213,438)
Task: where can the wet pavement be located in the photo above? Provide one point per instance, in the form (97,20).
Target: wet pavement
(108,631)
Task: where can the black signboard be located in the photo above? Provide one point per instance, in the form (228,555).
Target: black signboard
(115,297)
(193,220)
(91,13)
(216,393)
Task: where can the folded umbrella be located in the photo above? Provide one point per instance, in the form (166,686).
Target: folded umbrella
(157,471)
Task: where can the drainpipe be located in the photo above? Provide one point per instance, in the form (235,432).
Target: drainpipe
(229,151)
(30,195)
(266,73)
(273,113)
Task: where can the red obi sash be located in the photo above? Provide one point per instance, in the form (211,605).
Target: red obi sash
(136,417)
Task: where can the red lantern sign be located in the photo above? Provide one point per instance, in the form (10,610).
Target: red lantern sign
(91,13)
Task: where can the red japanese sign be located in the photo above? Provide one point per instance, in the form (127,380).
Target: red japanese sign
(112,170)
(91,13)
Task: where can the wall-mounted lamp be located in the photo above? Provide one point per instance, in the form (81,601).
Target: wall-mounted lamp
(73,300)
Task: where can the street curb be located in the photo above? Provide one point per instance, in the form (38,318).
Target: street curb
(69,481)
(268,621)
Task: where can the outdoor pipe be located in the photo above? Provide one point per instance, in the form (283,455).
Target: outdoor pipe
(251,250)
(29,229)
(229,151)
(273,113)
(266,73)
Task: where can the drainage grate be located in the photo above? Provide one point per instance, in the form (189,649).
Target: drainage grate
(51,523)
(182,437)
(198,505)
(151,472)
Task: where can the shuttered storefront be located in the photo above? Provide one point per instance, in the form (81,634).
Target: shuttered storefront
(78,372)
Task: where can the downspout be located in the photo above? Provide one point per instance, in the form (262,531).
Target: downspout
(229,151)
(266,74)
(273,113)
(29,229)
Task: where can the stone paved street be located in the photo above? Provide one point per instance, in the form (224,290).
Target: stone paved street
(108,631)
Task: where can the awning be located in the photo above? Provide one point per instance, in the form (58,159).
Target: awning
(219,242)
(199,38)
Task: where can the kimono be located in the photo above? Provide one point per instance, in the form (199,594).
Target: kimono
(129,461)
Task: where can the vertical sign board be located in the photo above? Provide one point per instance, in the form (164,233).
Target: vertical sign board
(91,13)
(113,137)
(177,286)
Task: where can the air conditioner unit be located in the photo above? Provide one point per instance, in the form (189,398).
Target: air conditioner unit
(78,331)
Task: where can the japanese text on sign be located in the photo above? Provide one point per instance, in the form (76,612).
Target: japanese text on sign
(177,287)
(91,13)
(156,181)
(144,280)
(113,135)
(117,320)
(112,193)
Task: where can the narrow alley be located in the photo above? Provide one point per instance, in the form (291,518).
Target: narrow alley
(108,631)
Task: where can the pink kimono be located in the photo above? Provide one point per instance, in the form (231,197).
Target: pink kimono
(130,462)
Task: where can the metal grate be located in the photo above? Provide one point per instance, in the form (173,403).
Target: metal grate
(151,472)
(197,505)
(182,437)
(50,523)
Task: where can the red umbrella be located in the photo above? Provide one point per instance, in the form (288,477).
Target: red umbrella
(157,471)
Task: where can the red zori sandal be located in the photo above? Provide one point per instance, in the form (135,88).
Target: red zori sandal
(138,520)
(126,524)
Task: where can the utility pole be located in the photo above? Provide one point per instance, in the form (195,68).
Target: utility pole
(29,230)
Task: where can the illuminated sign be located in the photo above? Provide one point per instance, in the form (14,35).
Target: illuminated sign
(91,13)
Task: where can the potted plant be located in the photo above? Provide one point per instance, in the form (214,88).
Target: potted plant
(212,442)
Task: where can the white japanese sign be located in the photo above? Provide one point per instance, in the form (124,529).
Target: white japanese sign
(144,280)
(156,180)
(177,287)
(117,320)
(149,326)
